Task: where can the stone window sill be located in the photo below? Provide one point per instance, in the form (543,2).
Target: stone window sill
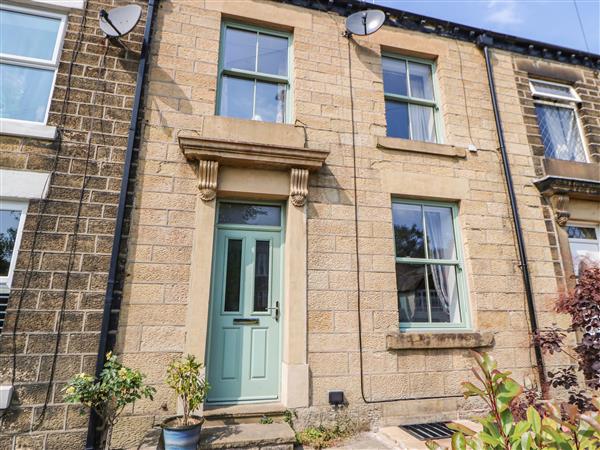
(390,143)
(27,129)
(438,340)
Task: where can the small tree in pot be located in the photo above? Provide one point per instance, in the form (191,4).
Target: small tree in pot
(185,377)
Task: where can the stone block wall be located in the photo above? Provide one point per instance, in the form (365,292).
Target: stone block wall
(48,309)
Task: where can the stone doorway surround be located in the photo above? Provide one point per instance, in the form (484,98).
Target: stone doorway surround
(244,159)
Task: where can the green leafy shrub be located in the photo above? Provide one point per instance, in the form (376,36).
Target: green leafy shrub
(559,427)
(117,387)
(325,436)
(185,377)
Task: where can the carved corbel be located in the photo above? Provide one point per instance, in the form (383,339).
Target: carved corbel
(560,205)
(298,186)
(207,179)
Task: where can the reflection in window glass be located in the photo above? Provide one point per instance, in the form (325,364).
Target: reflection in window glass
(394,76)
(408,230)
(261,276)
(581,232)
(396,115)
(233,275)
(9,225)
(272,54)
(24,92)
(237,97)
(240,49)
(585,247)
(412,297)
(440,233)
(28,35)
(270,102)
(245,214)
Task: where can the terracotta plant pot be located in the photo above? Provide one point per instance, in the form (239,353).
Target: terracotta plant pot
(177,437)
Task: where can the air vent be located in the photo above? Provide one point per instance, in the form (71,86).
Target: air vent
(426,431)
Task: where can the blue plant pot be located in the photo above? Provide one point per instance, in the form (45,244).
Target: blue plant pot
(181,438)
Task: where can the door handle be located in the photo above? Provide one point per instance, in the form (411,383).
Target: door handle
(276,308)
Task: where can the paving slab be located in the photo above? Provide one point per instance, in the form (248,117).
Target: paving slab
(251,435)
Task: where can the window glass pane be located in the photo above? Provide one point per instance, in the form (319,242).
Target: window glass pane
(27,34)
(24,92)
(421,82)
(240,49)
(233,275)
(422,125)
(412,296)
(394,76)
(552,89)
(272,54)
(261,276)
(560,133)
(584,255)
(408,230)
(396,114)
(270,102)
(237,97)
(440,233)
(443,294)
(9,224)
(581,232)
(244,214)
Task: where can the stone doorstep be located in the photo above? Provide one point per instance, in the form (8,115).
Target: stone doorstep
(242,413)
(405,441)
(273,436)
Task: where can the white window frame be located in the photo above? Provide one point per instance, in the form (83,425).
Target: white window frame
(15,205)
(595,226)
(573,98)
(27,127)
(559,101)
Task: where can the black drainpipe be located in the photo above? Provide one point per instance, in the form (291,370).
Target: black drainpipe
(116,246)
(484,42)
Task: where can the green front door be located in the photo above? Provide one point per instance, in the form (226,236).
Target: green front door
(244,338)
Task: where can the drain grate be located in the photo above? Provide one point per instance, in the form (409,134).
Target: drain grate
(425,431)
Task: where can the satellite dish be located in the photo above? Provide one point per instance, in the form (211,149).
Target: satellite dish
(366,22)
(120,21)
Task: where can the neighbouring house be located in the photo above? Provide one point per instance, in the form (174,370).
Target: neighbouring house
(314,216)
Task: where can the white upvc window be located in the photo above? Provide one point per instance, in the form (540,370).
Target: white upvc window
(560,129)
(584,241)
(30,45)
(12,220)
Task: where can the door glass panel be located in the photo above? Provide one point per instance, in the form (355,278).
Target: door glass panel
(9,224)
(412,295)
(244,214)
(261,276)
(233,275)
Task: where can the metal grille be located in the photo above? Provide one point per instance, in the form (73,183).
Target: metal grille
(426,431)
(3,304)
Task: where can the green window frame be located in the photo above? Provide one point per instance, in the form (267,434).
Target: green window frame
(258,78)
(411,98)
(435,270)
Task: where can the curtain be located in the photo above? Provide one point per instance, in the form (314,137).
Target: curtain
(421,122)
(439,272)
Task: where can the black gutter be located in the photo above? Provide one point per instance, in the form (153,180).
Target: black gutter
(453,30)
(484,42)
(92,434)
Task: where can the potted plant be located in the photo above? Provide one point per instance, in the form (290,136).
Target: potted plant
(185,377)
(116,387)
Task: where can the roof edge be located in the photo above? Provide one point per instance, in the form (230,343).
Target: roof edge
(430,25)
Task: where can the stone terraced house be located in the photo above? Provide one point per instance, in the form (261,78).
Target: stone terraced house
(316,216)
